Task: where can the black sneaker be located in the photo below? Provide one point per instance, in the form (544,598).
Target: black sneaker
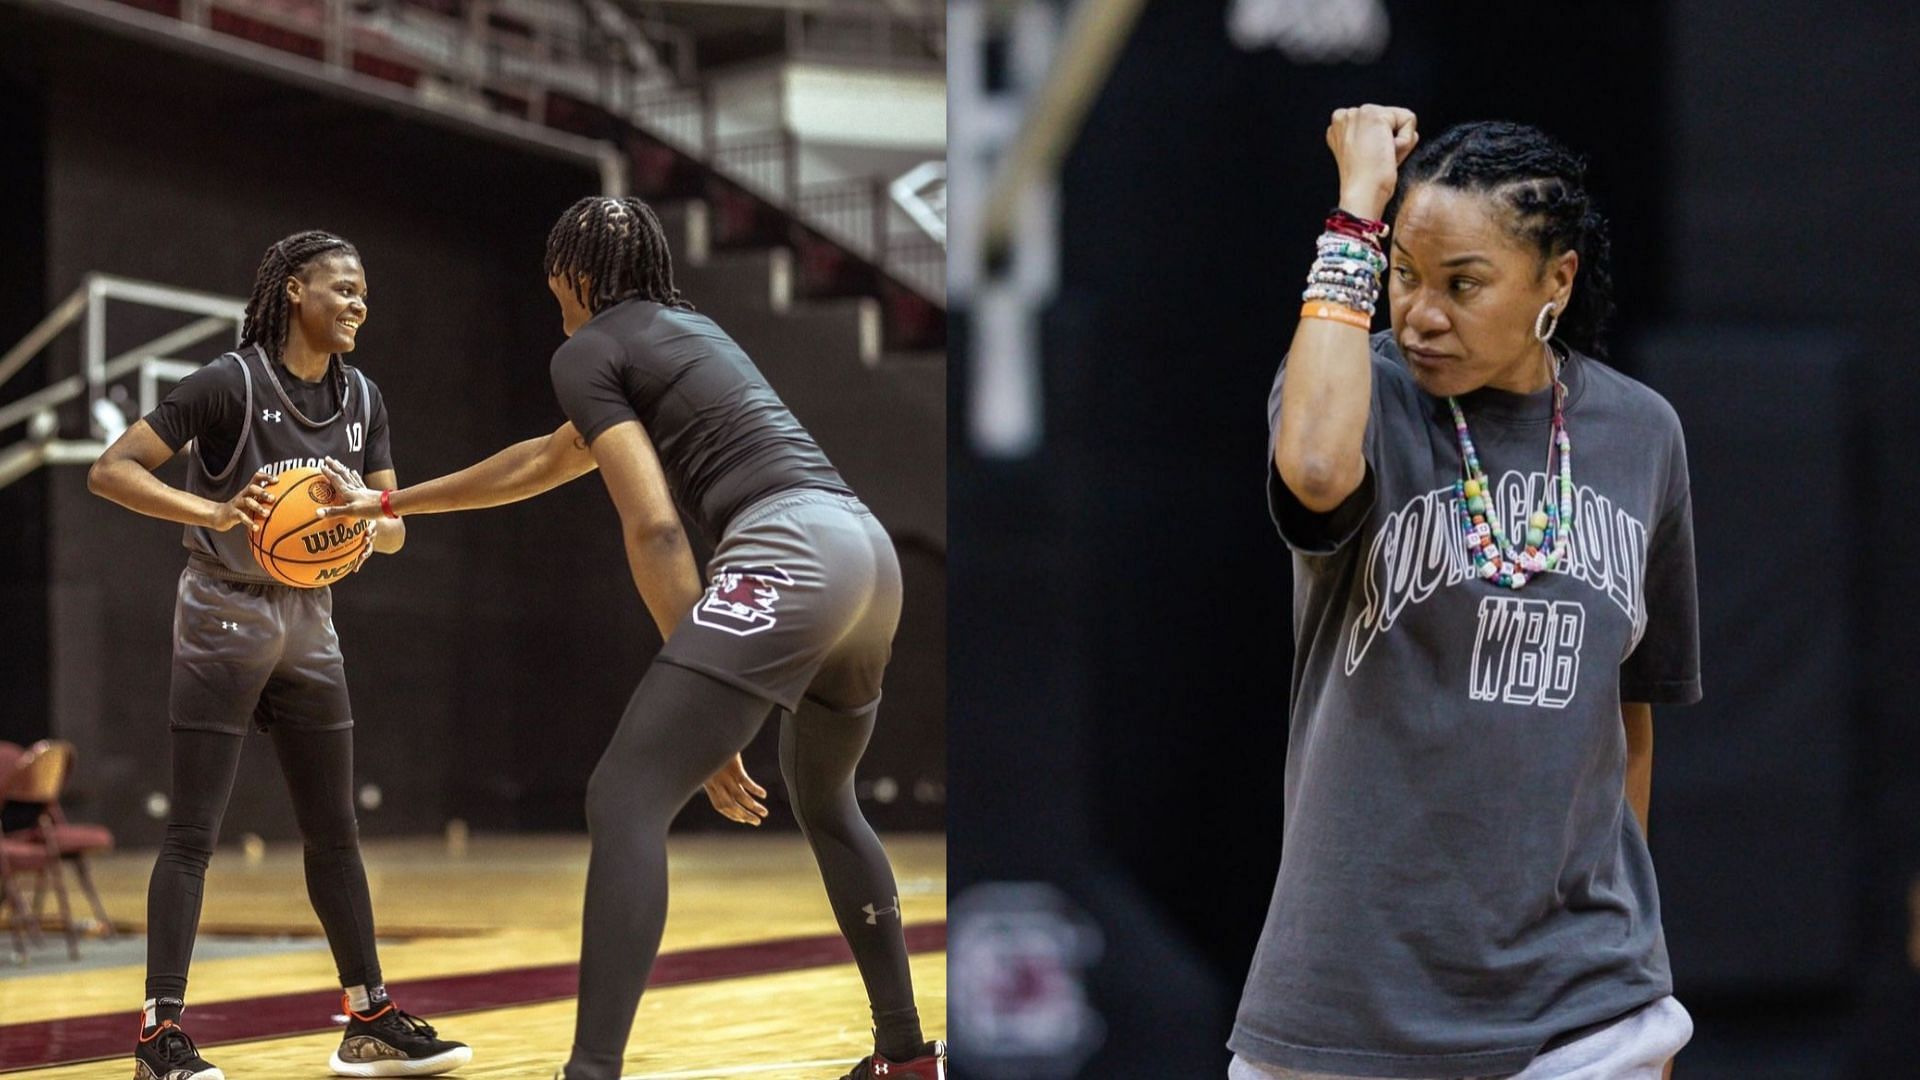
(391,1042)
(165,1053)
(929,1064)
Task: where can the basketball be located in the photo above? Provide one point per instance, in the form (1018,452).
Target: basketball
(296,547)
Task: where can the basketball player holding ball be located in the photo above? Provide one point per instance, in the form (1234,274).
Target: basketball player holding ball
(804,600)
(248,648)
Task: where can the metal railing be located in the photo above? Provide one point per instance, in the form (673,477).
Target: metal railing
(853,212)
(766,163)
(920,261)
(679,117)
(505,55)
(859,213)
(150,362)
(511,57)
(883,33)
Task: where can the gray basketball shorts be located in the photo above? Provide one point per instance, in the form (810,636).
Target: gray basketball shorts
(803,600)
(1635,1047)
(253,652)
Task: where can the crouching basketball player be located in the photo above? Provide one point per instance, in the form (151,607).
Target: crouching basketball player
(248,650)
(804,600)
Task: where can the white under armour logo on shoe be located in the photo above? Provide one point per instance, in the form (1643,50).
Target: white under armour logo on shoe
(269,414)
(225,625)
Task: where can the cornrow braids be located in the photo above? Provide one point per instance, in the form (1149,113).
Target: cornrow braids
(268,310)
(1543,185)
(613,250)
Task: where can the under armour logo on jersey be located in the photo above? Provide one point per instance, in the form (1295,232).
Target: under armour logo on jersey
(873,913)
(270,414)
(225,625)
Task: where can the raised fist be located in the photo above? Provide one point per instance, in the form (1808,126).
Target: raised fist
(1369,143)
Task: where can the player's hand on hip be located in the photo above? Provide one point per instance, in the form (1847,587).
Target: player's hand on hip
(248,508)
(1369,143)
(732,791)
(356,498)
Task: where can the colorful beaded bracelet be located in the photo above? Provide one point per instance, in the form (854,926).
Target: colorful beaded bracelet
(1350,249)
(1343,297)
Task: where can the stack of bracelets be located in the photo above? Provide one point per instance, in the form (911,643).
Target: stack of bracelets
(1345,282)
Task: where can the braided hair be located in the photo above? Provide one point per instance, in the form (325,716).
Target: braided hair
(617,249)
(1543,185)
(268,310)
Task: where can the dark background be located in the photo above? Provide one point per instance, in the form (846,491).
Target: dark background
(490,660)
(1121,602)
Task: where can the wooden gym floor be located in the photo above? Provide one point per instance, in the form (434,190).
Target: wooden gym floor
(481,939)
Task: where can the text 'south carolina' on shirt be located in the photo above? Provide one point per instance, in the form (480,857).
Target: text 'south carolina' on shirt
(1461,878)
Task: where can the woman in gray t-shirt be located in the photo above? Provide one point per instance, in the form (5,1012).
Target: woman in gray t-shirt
(1482,631)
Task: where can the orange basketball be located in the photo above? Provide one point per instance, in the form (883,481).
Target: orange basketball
(297,548)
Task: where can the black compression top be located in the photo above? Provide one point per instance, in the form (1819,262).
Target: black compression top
(724,437)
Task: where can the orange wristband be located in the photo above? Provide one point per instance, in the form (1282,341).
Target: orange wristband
(1321,309)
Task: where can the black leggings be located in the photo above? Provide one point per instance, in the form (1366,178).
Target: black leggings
(681,727)
(318,766)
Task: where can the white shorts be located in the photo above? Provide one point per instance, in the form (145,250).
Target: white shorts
(1635,1047)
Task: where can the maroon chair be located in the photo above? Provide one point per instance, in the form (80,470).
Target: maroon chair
(74,841)
(18,858)
(19,919)
(36,778)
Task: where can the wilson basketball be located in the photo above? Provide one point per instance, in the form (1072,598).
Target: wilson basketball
(297,548)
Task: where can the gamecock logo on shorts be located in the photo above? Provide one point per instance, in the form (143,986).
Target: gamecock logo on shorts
(741,599)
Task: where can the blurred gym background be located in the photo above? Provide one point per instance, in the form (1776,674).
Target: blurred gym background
(151,150)
(1128,274)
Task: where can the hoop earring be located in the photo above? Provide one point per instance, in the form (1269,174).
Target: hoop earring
(1545,323)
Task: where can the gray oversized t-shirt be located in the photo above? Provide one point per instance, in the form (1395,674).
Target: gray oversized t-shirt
(1461,878)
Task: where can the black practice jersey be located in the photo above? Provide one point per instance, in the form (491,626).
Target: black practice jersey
(724,437)
(244,412)
(210,405)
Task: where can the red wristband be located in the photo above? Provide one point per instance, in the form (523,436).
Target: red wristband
(1349,224)
(386,504)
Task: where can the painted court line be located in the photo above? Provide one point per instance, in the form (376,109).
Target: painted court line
(72,1040)
(745,1070)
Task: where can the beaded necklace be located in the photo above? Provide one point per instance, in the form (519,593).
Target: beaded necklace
(1549,531)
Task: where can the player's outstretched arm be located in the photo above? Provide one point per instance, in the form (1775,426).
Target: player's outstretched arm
(519,472)
(392,534)
(124,474)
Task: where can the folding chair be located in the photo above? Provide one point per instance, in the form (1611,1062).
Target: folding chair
(74,841)
(37,777)
(17,858)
